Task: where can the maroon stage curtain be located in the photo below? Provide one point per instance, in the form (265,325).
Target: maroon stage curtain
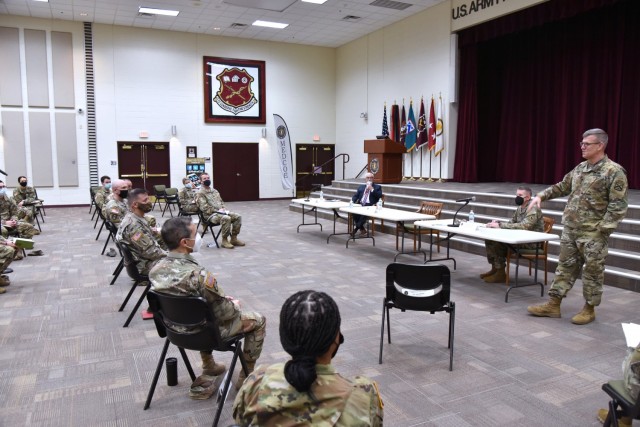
(527,96)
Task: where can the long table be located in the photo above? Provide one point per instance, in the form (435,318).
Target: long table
(314,204)
(512,238)
(387,214)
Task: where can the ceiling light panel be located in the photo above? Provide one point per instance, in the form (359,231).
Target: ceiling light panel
(154,11)
(269,24)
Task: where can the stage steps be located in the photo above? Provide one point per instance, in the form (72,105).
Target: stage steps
(624,244)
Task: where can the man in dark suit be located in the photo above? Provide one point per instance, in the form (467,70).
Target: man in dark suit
(367,194)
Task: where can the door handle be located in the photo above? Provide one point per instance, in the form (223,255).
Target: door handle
(156,175)
(132,176)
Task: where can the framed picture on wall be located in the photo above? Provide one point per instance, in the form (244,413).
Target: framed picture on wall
(192,152)
(234,90)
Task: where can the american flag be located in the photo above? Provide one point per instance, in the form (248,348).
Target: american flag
(385,125)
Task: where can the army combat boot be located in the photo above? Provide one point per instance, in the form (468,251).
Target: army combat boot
(587,315)
(550,308)
(622,422)
(498,277)
(235,241)
(225,243)
(210,367)
(241,376)
(488,273)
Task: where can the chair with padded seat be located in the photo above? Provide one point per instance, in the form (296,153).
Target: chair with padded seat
(92,194)
(428,208)
(185,313)
(532,254)
(170,199)
(621,403)
(159,192)
(206,225)
(130,264)
(418,287)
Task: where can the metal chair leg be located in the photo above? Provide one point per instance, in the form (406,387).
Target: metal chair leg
(156,375)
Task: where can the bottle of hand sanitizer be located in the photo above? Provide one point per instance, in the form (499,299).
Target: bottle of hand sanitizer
(472,216)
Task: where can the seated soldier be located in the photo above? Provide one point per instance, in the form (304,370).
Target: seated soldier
(116,207)
(11,225)
(7,253)
(631,378)
(149,218)
(180,274)
(103,193)
(25,198)
(307,390)
(187,197)
(135,232)
(212,206)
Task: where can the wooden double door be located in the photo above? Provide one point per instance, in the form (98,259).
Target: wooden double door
(145,163)
(236,170)
(310,167)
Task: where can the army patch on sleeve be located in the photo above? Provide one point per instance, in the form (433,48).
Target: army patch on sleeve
(618,186)
(209,280)
(137,236)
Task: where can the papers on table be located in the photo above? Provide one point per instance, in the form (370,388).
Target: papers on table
(632,334)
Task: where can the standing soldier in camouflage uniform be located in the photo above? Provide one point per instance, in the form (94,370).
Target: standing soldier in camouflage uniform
(9,213)
(116,208)
(597,190)
(180,274)
(135,232)
(7,251)
(103,193)
(25,198)
(211,204)
(187,197)
(307,390)
(522,220)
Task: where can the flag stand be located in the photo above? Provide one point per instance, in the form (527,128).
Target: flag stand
(411,178)
(421,177)
(404,177)
(430,157)
(440,180)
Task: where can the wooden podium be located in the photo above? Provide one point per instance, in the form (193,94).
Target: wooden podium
(385,155)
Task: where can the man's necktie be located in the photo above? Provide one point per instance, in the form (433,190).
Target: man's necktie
(365,198)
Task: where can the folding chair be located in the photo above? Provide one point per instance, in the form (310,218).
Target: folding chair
(621,403)
(130,264)
(159,191)
(113,230)
(417,287)
(532,254)
(194,315)
(429,208)
(170,198)
(206,225)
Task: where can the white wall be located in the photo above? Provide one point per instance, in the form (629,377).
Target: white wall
(407,60)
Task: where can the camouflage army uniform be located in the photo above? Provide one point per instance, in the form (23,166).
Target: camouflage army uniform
(10,211)
(101,197)
(267,399)
(187,197)
(210,202)
(6,254)
(631,372)
(597,203)
(28,209)
(138,236)
(114,210)
(181,275)
(521,220)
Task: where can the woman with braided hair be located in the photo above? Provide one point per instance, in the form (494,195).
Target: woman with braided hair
(307,390)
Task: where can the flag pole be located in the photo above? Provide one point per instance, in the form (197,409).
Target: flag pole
(430,158)
(421,177)
(412,178)
(440,180)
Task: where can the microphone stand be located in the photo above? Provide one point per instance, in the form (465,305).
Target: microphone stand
(457,224)
(311,189)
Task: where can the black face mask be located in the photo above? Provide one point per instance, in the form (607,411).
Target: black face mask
(341,341)
(23,183)
(207,182)
(124,193)
(519,200)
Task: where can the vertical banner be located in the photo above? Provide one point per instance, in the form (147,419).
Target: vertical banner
(284,152)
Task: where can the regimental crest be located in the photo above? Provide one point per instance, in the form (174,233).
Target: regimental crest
(281,132)
(374,166)
(235,94)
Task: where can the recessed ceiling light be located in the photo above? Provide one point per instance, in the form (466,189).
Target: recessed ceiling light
(84,14)
(42,1)
(270,24)
(216,28)
(315,1)
(158,11)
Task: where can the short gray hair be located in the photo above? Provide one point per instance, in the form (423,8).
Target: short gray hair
(600,135)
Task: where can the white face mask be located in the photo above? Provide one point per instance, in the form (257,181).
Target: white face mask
(197,244)
(3,191)
(370,183)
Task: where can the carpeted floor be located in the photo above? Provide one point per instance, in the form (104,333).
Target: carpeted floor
(65,359)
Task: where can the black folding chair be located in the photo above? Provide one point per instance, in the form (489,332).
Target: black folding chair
(192,314)
(130,264)
(159,191)
(621,403)
(417,287)
(206,225)
(113,230)
(170,199)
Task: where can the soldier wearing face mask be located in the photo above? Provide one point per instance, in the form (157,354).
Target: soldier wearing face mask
(522,220)
(187,197)
(180,274)
(104,192)
(135,232)
(25,198)
(11,222)
(116,207)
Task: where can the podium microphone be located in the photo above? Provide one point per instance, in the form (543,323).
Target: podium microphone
(466,202)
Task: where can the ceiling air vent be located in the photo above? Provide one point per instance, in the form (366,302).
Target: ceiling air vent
(145,15)
(238,26)
(390,4)
(351,18)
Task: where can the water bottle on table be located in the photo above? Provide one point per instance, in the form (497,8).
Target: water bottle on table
(379,205)
(472,216)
